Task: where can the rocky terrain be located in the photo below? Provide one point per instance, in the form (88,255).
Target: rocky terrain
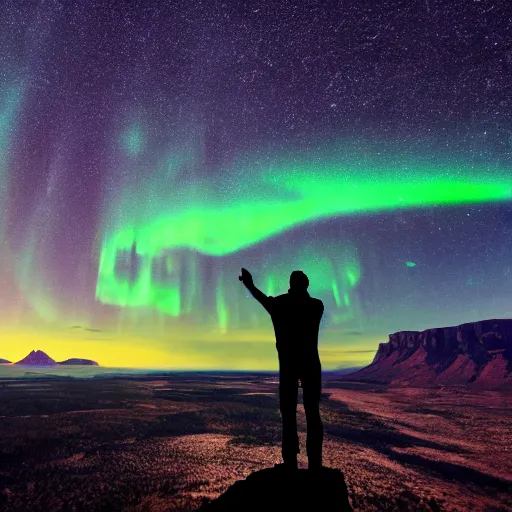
(170,443)
(478,353)
(277,489)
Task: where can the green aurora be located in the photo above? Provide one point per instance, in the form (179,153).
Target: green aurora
(10,104)
(219,219)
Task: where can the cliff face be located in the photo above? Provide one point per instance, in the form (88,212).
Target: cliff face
(477,352)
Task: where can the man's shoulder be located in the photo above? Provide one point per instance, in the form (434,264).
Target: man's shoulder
(281,300)
(285,297)
(317,302)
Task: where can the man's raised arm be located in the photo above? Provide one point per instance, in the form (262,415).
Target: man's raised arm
(265,301)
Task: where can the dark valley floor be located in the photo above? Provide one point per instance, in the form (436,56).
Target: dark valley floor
(165,444)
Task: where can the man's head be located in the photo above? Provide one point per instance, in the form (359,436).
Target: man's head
(299,281)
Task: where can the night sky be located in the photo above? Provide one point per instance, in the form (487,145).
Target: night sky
(149,150)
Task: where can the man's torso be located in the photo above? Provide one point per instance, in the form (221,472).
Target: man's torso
(296,320)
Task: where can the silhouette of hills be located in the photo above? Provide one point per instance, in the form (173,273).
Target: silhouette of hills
(40,358)
(4,361)
(37,358)
(79,361)
(477,353)
(278,490)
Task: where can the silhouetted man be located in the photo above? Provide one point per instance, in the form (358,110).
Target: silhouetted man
(296,317)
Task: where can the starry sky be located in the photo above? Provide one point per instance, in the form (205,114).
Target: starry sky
(149,150)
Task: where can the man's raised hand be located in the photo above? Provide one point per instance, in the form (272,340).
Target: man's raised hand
(245,277)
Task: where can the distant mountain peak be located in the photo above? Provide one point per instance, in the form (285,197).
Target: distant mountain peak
(40,358)
(37,358)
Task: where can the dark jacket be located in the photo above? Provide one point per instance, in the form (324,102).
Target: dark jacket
(296,318)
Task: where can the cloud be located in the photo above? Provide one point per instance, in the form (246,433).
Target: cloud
(85,328)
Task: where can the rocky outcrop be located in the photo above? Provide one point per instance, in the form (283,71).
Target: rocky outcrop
(78,361)
(277,490)
(477,353)
(37,358)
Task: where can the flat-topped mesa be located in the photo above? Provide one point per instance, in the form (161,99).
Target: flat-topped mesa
(478,352)
(401,343)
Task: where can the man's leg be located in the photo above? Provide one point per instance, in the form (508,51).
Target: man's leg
(312,387)
(288,389)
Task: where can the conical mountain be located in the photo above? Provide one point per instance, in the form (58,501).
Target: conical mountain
(37,358)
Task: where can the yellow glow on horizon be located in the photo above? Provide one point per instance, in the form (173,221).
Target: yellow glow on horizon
(251,350)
